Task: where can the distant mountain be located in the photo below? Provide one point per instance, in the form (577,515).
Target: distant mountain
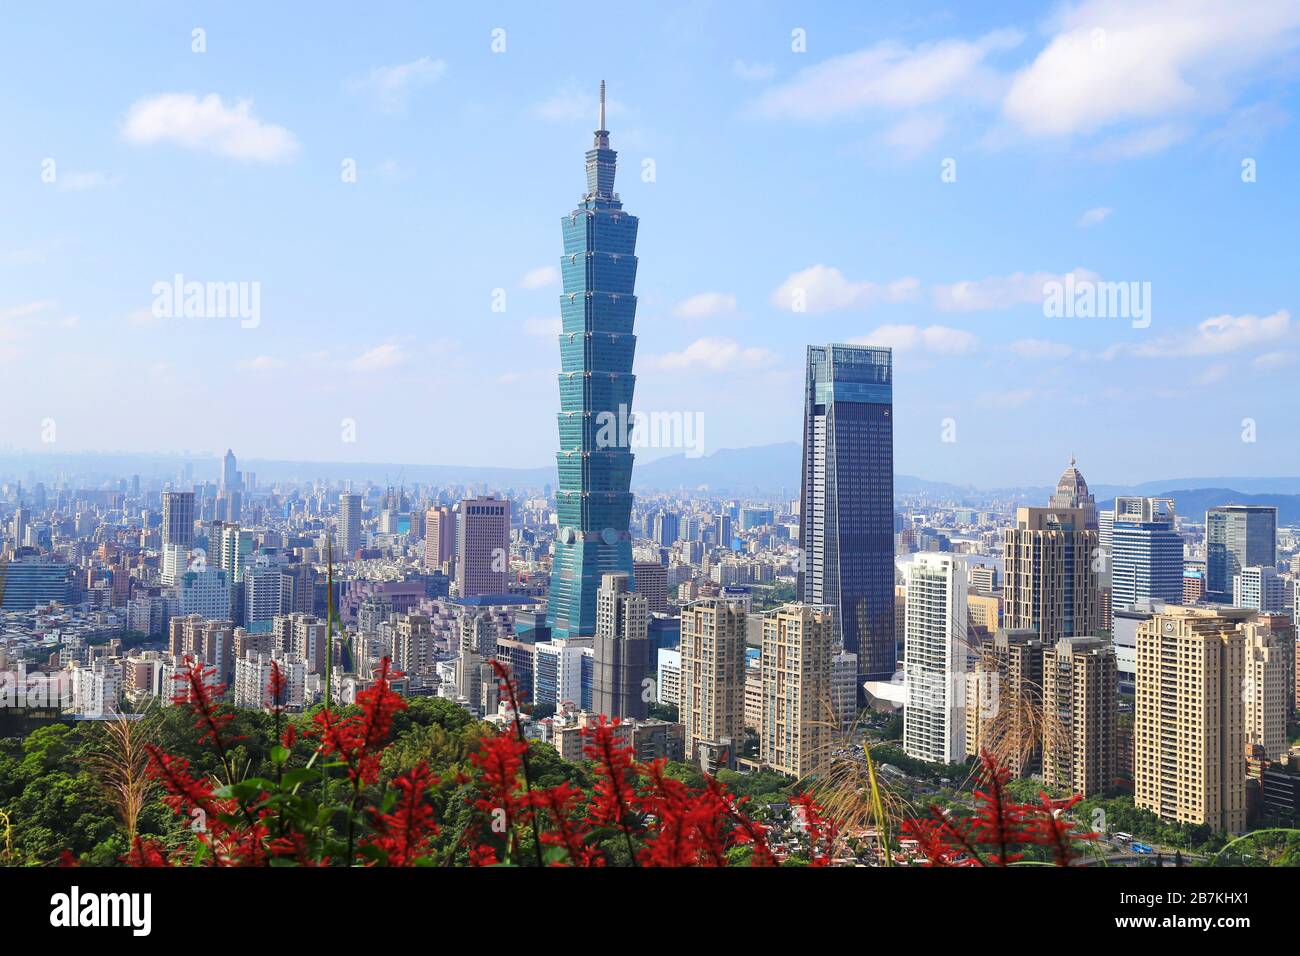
(763,469)
(1192,503)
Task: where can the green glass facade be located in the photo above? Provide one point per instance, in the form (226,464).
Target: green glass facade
(597,308)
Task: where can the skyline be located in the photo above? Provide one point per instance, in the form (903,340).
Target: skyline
(821,170)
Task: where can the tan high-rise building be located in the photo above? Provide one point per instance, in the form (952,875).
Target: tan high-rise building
(1051,583)
(1080,679)
(1189,729)
(1265,689)
(1004,699)
(798,708)
(439,538)
(712,707)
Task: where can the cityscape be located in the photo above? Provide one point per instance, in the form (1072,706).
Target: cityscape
(790,638)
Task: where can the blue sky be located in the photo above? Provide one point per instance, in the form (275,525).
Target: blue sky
(1103,139)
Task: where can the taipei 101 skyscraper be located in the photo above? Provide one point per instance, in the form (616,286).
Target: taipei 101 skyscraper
(597,308)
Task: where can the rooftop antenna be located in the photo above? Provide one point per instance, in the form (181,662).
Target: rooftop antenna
(602,104)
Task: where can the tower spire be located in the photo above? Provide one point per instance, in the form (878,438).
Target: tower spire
(602,106)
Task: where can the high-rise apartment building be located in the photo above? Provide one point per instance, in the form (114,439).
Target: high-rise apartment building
(1146,552)
(483,546)
(349,528)
(666,529)
(712,705)
(1266,689)
(621,651)
(1050,582)
(597,310)
(798,707)
(1004,701)
(1236,537)
(846,515)
(1189,729)
(934,659)
(439,537)
(1079,704)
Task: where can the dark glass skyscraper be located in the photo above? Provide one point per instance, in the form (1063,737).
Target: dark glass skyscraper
(846,516)
(1236,537)
(597,309)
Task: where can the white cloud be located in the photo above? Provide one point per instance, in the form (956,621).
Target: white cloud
(573,104)
(26,309)
(543,327)
(706,305)
(891,76)
(208,125)
(540,277)
(823,288)
(261,363)
(378,358)
(1274,360)
(999,292)
(753,71)
(391,86)
(1222,334)
(1141,142)
(1112,61)
(914,134)
(1094,217)
(716,354)
(1040,349)
(932,338)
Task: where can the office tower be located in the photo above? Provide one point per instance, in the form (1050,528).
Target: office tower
(1072,492)
(597,309)
(846,514)
(984,578)
(349,527)
(1189,730)
(752,518)
(1050,581)
(1236,537)
(722,526)
(483,546)
(652,582)
(1079,691)
(1004,701)
(712,707)
(439,537)
(934,659)
(18,526)
(1106,530)
(1146,552)
(798,713)
(267,594)
(1260,589)
(557,673)
(178,519)
(229,474)
(207,592)
(30,581)
(1266,691)
(666,529)
(1193,585)
(236,547)
(621,650)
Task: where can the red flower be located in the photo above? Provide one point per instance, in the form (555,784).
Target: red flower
(145,853)
(558,804)
(405,832)
(615,797)
(357,739)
